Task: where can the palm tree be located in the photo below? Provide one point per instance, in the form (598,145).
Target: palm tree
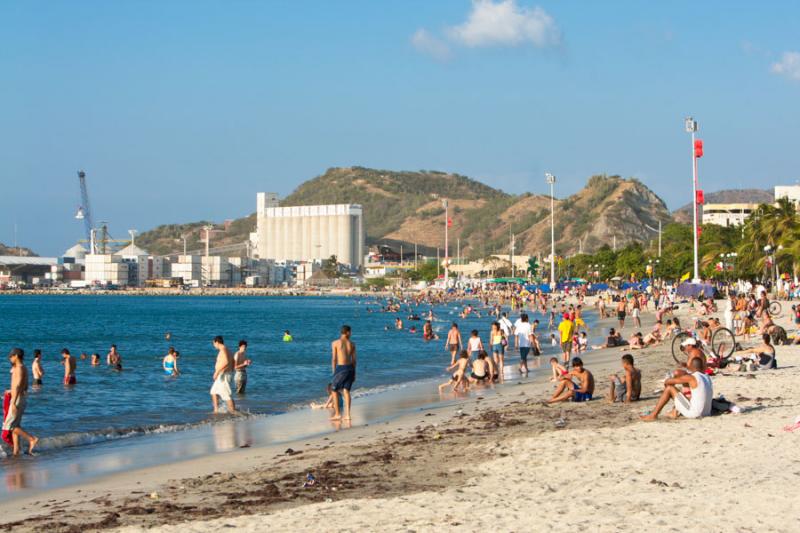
(776,226)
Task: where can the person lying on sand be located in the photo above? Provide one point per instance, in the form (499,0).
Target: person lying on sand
(628,388)
(568,389)
(702,392)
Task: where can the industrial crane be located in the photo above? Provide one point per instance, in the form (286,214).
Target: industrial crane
(84,211)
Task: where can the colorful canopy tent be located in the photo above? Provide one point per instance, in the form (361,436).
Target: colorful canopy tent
(688,289)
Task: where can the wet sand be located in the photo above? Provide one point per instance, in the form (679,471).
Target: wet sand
(497,461)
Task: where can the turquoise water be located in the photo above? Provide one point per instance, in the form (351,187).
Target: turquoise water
(106,404)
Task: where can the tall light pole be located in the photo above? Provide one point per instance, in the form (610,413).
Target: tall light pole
(551,179)
(691,127)
(446,228)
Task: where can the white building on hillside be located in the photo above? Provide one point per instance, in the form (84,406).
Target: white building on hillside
(792,192)
(310,232)
(727,214)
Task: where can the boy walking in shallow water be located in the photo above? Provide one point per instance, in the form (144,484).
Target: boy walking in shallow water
(343,365)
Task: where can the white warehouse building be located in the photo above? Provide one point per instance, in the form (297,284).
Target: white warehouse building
(309,232)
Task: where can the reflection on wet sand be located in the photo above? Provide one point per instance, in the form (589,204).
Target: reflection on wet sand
(77,465)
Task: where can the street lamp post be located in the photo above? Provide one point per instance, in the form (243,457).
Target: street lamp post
(551,179)
(446,247)
(691,127)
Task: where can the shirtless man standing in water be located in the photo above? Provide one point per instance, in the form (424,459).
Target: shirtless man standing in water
(68,361)
(222,376)
(343,365)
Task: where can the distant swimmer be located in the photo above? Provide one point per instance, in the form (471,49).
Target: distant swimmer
(114,359)
(287,337)
(222,376)
(17,396)
(95,359)
(36,368)
(69,367)
(398,323)
(240,364)
(170,363)
(168,336)
(343,365)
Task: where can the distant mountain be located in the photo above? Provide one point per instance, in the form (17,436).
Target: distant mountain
(405,208)
(10,250)
(728,196)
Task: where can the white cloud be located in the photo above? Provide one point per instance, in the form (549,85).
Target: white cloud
(788,66)
(429,44)
(504,23)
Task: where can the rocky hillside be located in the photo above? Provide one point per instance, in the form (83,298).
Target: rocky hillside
(10,250)
(406,208)
(729,196)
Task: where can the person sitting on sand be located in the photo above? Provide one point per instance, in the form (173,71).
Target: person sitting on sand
(557,369)
(628,388)
(672,328)
(568,389)
(702,392)
(763,354)
(692,351)
(480,369)
(460,367)
(613,340)
(636,342)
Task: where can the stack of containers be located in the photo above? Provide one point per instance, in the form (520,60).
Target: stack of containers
(106,269)
(188,268)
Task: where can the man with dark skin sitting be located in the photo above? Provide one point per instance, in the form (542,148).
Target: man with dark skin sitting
(567,389)
(629,388)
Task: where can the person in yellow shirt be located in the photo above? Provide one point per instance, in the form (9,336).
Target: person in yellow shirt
(567,329)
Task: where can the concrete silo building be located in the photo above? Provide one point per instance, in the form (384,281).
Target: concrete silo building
(309,232)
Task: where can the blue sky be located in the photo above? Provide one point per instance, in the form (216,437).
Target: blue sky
(180,111)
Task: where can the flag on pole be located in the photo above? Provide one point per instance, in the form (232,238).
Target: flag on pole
(449,222)
(686,276)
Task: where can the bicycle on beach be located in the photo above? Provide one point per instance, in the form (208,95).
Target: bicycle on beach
(722,346)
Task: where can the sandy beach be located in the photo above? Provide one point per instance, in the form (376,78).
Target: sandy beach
(498,461)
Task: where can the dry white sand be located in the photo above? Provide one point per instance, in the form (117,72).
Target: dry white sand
(722,473)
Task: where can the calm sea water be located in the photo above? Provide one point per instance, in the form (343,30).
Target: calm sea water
(107,404)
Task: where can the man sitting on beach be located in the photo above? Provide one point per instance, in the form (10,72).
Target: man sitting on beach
(567,389)
(222,376)
(343,365)
(629,388)
(697,406)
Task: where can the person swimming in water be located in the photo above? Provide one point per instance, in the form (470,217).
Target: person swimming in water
(170,363)
(287,337)
(114,359)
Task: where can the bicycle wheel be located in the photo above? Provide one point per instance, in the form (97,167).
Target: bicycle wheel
(723,343)
(775,308)
(677,354)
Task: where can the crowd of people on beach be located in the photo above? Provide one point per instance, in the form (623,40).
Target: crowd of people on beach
(477,361)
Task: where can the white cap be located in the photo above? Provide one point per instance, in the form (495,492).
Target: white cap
(689,342)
